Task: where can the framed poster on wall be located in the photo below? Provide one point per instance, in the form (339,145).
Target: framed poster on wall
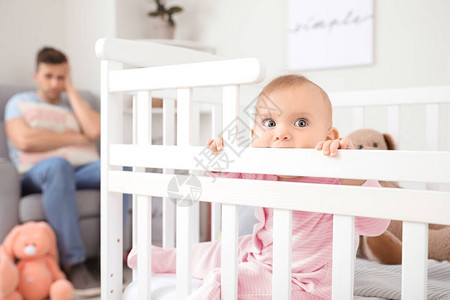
(329,34)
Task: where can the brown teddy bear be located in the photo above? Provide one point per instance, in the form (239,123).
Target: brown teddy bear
(32,246)
(387,248)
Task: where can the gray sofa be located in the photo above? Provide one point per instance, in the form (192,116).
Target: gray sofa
(15,209)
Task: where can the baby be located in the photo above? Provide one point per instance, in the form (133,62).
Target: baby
(303,120)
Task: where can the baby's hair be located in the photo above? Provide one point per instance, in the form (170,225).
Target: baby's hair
(290,80)
(286,81)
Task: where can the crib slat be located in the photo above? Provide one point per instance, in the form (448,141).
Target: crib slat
(419,95)
(229,280)
(216,120)
(214,73)
(141,135)
(144,270)
(350,163)
(144,118)
(216,128)
(196,222)
(135,169)
(414,260)
(168,235)
(343,257)
(144,204)
(345,200)
(196,142)
(184,245)
(230,110)
(111,203)
(432,127)
(184,213)
(432,134)
(137,53)
(358,117)
(394,122)
(216,213)
(282,246)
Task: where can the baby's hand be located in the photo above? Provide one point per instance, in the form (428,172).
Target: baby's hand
(330,147)
(215,145)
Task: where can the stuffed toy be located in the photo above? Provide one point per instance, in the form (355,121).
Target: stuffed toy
(9,279)
(30,251)
(387,248)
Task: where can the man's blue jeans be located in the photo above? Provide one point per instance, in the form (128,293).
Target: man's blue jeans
(58,181)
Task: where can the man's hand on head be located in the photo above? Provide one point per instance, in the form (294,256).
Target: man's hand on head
(68,86)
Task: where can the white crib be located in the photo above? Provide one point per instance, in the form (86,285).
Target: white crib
(159,68)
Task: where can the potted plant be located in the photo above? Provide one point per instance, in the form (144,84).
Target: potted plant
(164,24)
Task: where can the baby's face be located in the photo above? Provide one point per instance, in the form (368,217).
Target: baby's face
(294,117)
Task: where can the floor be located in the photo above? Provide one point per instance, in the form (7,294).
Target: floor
(127,274)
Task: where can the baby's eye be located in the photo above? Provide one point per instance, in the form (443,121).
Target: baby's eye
(360,146)
(301,123)
(375,145)
(269,123)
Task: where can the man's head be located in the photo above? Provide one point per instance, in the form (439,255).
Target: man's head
(292,112)
(50,74)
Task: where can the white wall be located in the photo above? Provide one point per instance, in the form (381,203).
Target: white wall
(412,41)
(25,27)
(86,22)
(412,38)
(72,26)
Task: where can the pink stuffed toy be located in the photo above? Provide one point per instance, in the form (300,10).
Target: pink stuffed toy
(33,246)
(9,279)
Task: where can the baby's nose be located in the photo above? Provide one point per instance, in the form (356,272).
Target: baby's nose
(282,134)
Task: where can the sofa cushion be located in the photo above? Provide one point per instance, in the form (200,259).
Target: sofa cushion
(3,143)
(9,193)
(30,207)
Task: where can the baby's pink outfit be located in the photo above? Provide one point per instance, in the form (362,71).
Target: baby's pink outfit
(312,240)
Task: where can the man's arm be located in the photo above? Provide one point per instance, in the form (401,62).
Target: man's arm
(88,118)
(29,139)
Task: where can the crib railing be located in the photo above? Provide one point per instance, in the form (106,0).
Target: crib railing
(344,202)
(394,99)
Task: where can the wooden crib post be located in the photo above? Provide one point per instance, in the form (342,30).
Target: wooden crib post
(230,213)
(111,203)
(184,213)
(144,203)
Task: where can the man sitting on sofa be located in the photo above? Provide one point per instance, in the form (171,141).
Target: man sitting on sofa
(51,141)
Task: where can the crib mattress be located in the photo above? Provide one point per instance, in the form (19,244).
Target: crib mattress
(163,287)
(373,281)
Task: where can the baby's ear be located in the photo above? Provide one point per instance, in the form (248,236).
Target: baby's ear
(333,134)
